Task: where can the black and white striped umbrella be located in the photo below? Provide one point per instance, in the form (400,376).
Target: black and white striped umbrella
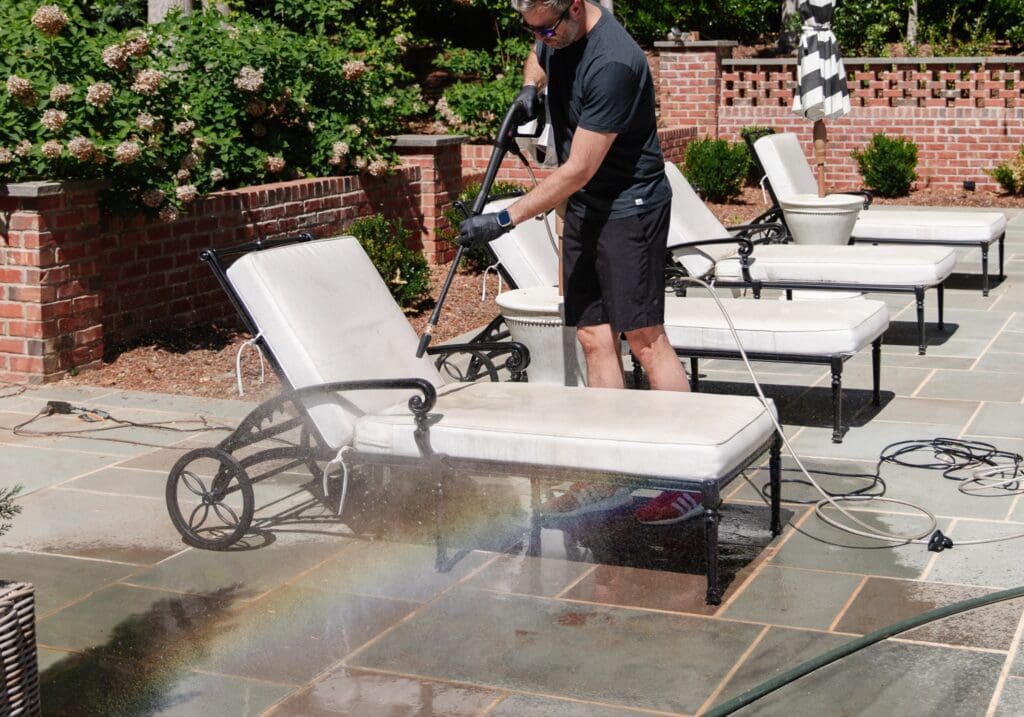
(821,78)
(821,91)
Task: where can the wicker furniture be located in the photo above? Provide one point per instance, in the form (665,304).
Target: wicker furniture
(18,650)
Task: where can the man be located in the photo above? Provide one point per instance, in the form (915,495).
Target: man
(611,174)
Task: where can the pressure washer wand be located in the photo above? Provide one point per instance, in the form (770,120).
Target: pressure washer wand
(504,142)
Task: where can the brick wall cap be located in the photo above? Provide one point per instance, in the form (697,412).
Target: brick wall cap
(417,141)
(693,44)
(47,188)
(852,63)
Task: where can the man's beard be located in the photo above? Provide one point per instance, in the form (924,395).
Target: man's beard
(572,29)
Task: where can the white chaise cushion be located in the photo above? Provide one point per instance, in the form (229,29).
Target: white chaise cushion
(800,328)
(328,316)
(882,265)
(785,165)
(653,433)
(692,221)
(529,252)
(924,225)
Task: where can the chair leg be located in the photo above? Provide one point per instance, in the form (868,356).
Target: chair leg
(638,371)
(711,518)
(694,374)
(941,291)
(837,399)
(1002,241)
(876,371)
(984,269)
(775,480)
(921,340)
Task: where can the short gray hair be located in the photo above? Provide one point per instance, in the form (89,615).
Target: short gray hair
(558,6)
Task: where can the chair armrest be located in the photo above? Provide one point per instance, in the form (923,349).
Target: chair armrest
(770,232)
(743,242)
(419,405)
(254,427)
(675,274)
(481,354)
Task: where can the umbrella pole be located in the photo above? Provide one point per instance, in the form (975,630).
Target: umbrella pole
(820,139)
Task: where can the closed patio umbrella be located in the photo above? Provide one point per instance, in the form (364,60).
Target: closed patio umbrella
(821,91)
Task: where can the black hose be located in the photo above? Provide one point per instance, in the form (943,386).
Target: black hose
(805,668)
(503,143)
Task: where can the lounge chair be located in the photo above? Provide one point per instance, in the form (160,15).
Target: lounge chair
(362,398)
(794,331)
(789,176)
(699,246)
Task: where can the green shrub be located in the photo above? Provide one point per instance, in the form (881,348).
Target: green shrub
(717,169)
(403,269)
(169,112)
(488,82)
(477,258)
(1010,175)
(888,165)
(8,508)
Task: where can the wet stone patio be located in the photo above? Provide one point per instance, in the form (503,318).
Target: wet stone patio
(315,615)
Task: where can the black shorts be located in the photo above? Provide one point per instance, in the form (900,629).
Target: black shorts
(614,269)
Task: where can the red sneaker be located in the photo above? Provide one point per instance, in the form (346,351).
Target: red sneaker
(669,507)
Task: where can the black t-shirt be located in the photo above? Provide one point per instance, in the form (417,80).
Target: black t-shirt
(602,83)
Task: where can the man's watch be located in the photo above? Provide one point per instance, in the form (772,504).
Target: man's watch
(504,219)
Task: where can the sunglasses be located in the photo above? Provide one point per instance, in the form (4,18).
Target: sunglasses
(547,32)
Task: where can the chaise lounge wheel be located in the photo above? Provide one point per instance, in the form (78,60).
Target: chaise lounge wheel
(210,498)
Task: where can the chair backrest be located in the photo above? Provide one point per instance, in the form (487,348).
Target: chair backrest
(785,165)
(326,314)
(528,253)
(692,221)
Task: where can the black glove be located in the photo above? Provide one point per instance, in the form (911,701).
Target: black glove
(527,104)
(481,229)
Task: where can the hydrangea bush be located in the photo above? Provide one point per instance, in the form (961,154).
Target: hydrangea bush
(169,112)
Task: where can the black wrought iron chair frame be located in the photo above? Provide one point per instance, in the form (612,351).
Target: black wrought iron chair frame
(234,475)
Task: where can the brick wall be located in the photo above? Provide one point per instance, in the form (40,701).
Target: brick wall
(953,144)
(50,313)
(74,280)
(689,87)
(966,115)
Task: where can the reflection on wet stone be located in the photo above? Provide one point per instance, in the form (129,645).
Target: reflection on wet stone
(143,660)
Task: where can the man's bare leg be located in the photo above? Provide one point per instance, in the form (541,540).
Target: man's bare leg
(601,350)
(651,347)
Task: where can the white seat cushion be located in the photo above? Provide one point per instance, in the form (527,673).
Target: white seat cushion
(692,221)
(327,316)
(879,265)
(529,252)
(801,328)
(922,225)
(785,165)
(651,433)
